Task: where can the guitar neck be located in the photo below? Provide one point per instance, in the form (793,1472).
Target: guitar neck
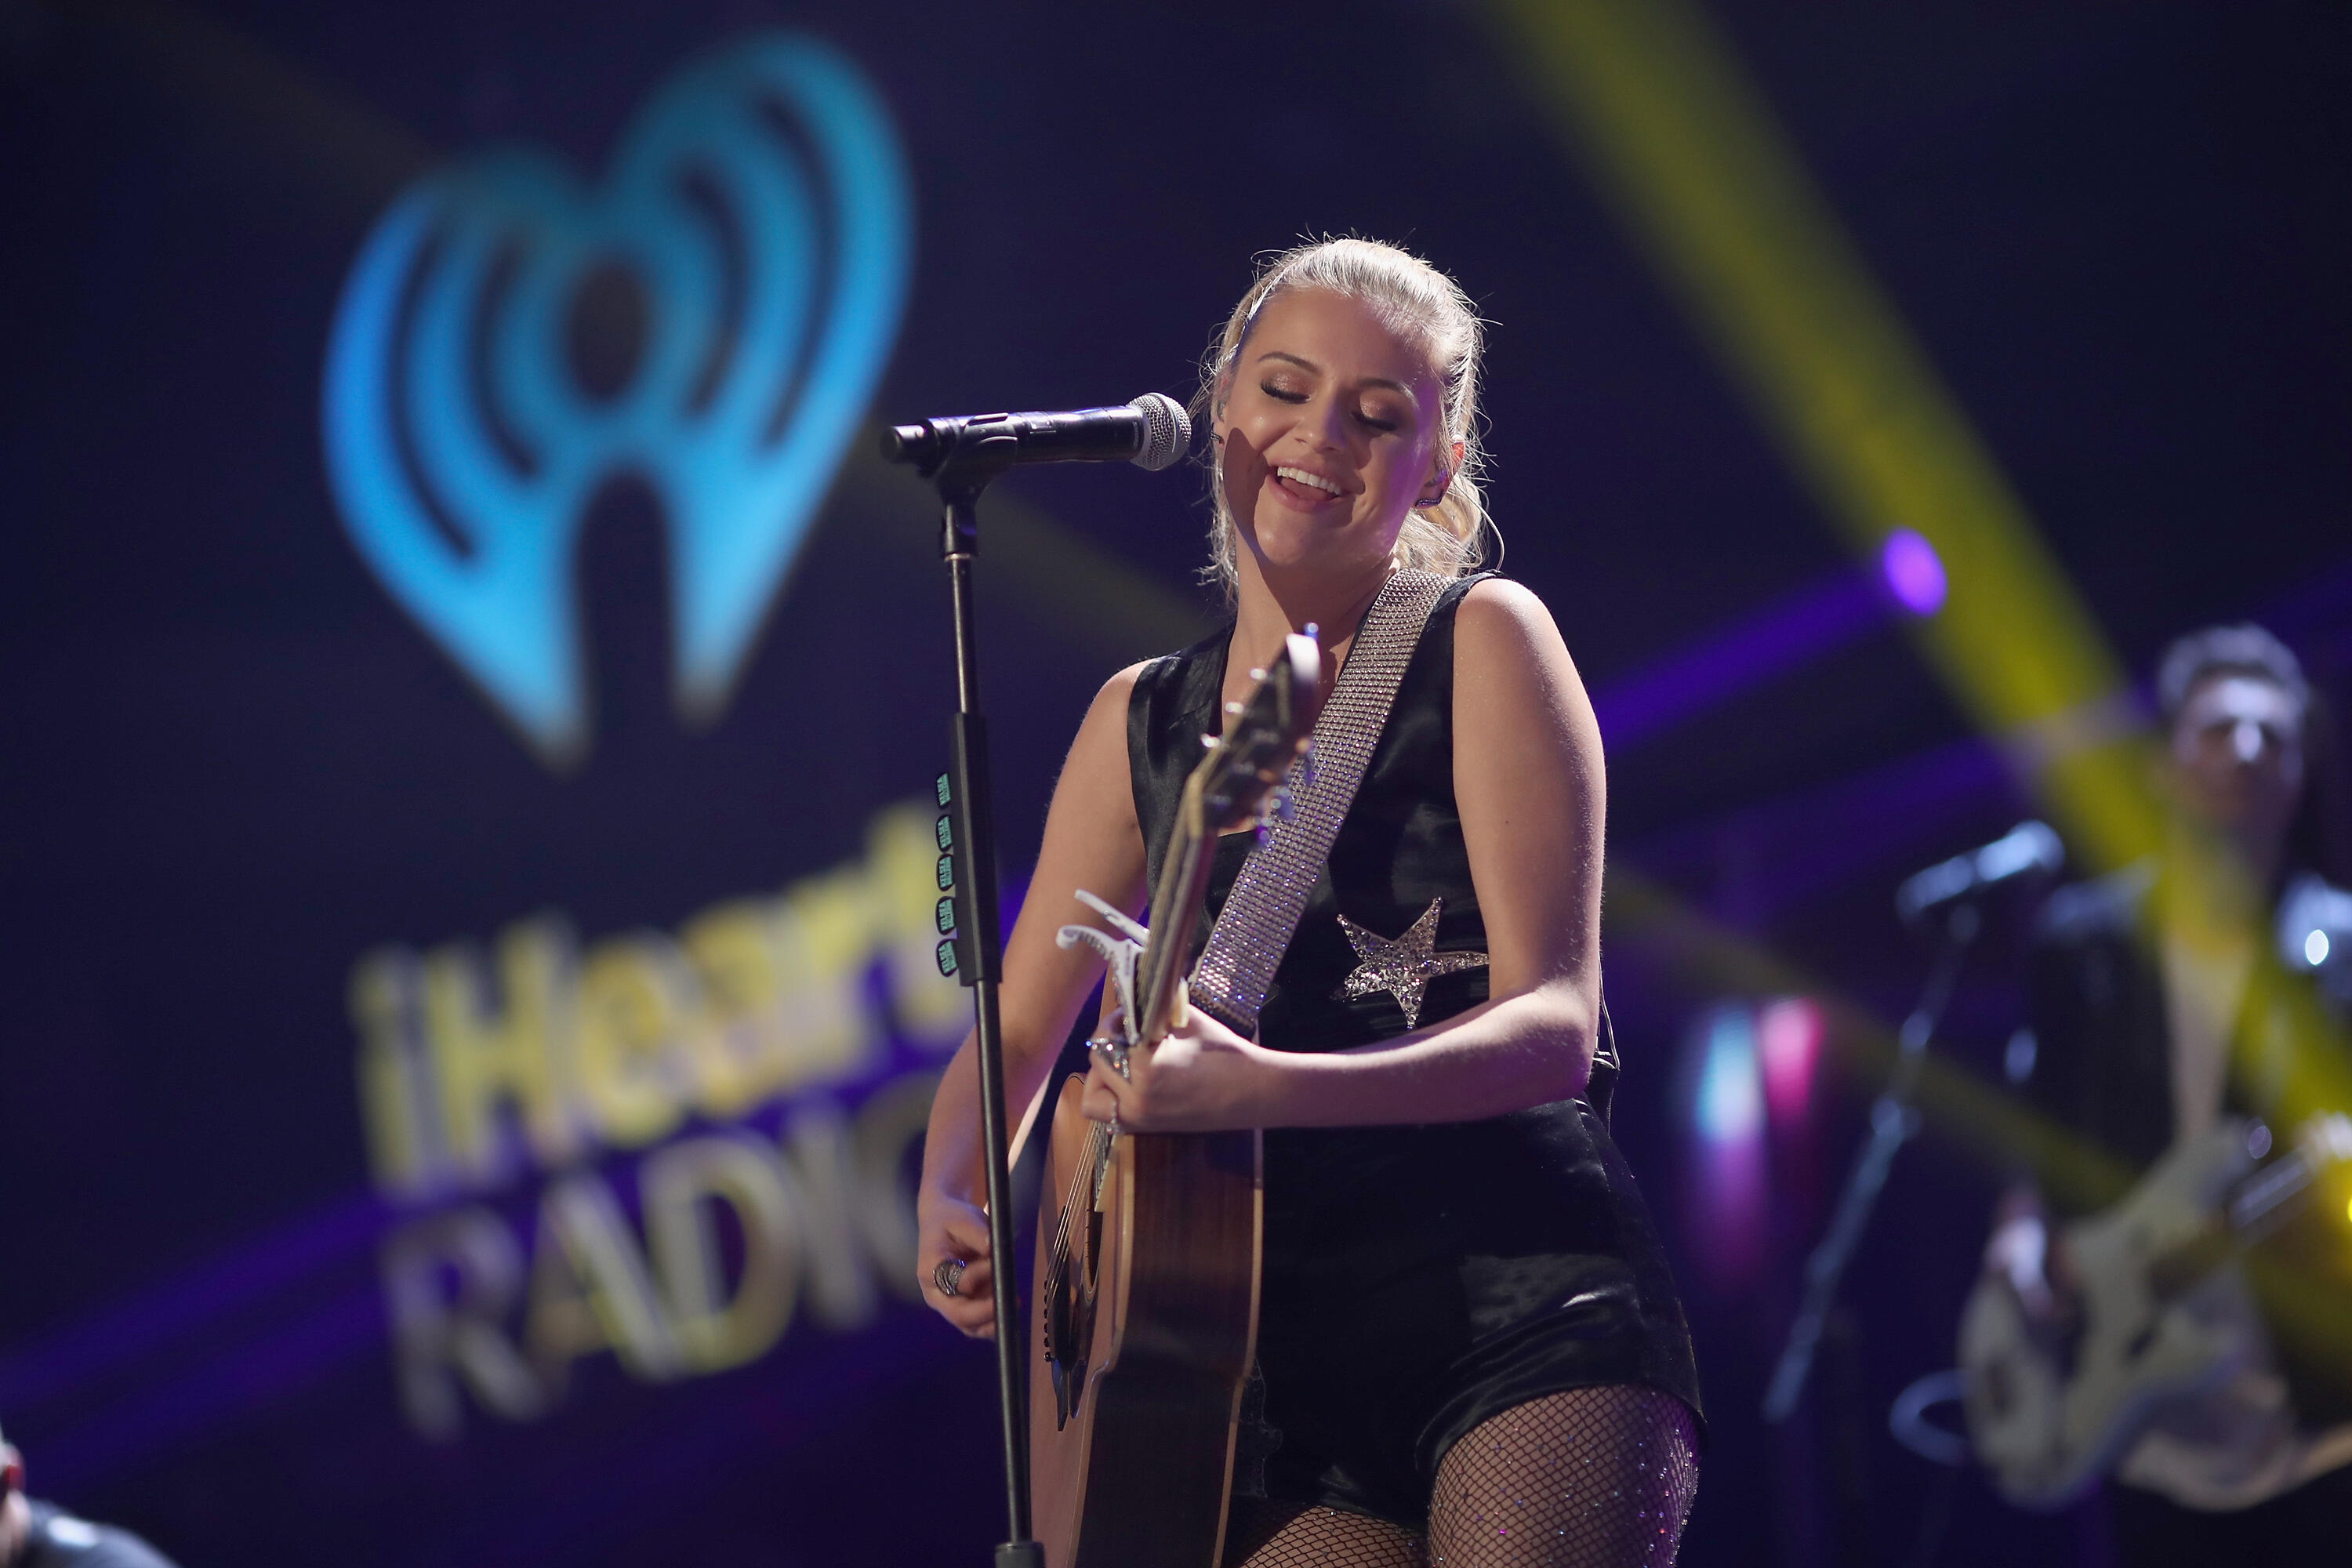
(1241,778)
(1175,914)
(2263,1199)
(2255,1206)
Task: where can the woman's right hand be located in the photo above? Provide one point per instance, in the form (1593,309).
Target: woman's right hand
(952,1229)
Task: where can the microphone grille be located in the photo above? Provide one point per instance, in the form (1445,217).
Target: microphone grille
(1167,432)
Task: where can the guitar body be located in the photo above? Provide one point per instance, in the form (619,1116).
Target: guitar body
(1140,1340)
(2048,1413)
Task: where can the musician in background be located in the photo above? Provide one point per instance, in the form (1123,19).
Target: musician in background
(43,1535)
(2151,1000)
(1469,1348)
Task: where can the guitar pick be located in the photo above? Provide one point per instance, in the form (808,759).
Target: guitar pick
(713,320)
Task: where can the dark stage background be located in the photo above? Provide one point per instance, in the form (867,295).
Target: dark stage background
(267,835)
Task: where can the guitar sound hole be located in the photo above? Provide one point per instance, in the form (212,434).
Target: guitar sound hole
(1069,1325)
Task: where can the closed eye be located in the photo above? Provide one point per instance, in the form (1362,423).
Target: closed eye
(1281,394)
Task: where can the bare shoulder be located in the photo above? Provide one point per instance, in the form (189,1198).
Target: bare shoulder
(1501,601)
(1503,635)
(1121,687)
(1106,714)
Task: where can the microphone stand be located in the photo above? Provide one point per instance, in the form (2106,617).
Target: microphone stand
(1893,1119)
(960,481)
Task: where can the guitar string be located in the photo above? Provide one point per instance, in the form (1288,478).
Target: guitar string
(1058,1272)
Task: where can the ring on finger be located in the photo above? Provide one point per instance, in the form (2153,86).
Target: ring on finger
(1112,1054)
(948,1276)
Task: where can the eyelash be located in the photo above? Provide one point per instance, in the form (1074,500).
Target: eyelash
(1283,394)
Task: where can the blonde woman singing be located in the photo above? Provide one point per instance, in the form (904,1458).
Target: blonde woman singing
(1469,1347)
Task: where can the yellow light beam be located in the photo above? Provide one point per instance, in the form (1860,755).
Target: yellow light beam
(1683,144)
(1686,148)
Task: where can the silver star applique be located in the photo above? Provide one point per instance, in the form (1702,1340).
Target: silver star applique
(1404,967)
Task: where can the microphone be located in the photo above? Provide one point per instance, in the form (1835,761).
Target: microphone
(2030,848)
(1151,432)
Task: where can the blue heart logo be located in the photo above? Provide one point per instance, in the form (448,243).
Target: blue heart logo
(713,320)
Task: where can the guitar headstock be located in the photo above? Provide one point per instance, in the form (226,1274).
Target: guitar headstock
(1243,773)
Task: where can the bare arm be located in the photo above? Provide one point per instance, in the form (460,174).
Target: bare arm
(1528,781)
(1091,841)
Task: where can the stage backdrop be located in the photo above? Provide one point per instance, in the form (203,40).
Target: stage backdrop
(472,698)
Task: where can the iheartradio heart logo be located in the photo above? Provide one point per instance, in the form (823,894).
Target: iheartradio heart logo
(713,320)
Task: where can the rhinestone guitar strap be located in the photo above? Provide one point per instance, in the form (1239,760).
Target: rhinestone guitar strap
(1254,931)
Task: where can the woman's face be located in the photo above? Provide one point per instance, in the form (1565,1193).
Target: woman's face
(1331,434)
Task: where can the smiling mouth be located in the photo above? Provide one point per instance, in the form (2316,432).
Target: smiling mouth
(1305,488)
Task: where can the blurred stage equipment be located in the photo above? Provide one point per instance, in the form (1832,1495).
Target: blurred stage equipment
(713,318)
(2030,849)
(960,456)
(1151,432)
(2315,934)
(1954,887)
(1906,1418)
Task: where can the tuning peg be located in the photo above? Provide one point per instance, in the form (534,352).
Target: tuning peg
(1233,710)
(1274,808)
(1208,743)
(1255,675)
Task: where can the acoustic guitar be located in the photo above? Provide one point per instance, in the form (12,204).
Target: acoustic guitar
(1145,1291)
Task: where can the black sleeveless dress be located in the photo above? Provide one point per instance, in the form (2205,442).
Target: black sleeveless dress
(1418,1279)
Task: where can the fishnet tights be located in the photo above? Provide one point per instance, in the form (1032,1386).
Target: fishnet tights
(1292,1535)
(1595,1477)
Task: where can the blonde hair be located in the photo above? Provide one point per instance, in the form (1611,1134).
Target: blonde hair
(1416,301)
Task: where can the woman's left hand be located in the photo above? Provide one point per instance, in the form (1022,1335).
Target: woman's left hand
(1203,1077)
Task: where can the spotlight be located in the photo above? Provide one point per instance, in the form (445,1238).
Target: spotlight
(1914,573)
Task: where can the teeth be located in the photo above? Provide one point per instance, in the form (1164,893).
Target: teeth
(1304,478)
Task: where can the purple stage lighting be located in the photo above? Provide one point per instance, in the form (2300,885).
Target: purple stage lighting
(1789,1051)
(1913,572)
